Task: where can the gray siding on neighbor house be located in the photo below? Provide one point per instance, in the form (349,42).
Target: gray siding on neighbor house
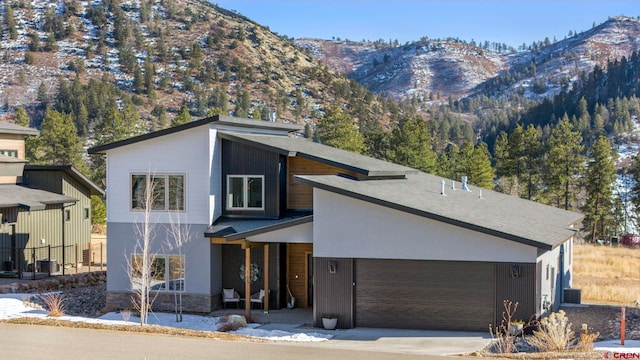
(78,227)
(333,292)
(239,159)
(443,295)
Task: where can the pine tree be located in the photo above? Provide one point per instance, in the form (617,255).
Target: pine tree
(59,141)
(599,182)
(563,164)
(481,173)
(183,116)
(532,148)
(30,141)
(337,129)
(10,22)
(411,145)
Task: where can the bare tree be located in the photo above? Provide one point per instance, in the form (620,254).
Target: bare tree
(140,263)
(179,237)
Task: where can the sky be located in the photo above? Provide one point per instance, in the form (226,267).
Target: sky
(512,22)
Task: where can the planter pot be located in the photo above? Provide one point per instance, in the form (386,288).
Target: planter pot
(329,323)
(515,329)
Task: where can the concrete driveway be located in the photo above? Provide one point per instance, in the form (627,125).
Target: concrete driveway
(419,342)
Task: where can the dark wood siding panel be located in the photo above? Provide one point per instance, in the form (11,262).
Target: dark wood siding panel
(239,159)
(300,196)
(297,274)
(424,294)
(333,293)
(233,257)
(519,289)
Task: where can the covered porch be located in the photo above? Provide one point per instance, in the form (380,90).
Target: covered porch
(273,255)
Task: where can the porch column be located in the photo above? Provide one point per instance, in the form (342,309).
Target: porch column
(266,279)
(247,282)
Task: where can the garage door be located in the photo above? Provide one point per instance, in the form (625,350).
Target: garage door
(424,294)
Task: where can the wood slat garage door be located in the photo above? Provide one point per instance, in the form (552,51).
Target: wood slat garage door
(424,294)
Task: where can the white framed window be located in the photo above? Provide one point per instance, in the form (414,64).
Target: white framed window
(168,192)
(12,153)
(245,192)
(166,272)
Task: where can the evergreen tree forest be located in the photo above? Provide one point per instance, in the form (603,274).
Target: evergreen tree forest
(556,151)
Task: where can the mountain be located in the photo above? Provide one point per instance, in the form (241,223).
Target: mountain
(436,69)
(163,53)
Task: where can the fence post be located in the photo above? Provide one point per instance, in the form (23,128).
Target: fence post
(33,262)
(101,262)
(49,259)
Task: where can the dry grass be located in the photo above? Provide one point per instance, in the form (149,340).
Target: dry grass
(54,303)
(607,274)
(148,329)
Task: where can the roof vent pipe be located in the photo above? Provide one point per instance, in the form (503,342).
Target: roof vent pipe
(480,194)
(453,185)
(464,184)
(442,188)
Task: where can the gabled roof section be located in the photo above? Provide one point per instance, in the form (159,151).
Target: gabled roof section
(293,146)
(72,172)
(230,121)
(493,213)
(9,128)
(29,198)
(236,228)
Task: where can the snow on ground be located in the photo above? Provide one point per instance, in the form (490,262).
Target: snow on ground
(630,346)
(16,305)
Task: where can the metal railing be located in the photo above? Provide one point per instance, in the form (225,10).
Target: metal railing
(35,262)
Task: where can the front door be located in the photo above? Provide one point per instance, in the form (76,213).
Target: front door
(298,273)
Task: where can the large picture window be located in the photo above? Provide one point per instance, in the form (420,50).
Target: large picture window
(245,192)
(167,191)
(166,272)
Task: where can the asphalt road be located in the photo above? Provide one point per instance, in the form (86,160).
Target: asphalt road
(27,342)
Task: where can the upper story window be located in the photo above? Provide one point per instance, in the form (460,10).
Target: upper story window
(245,192)
(12,153)
(166,192)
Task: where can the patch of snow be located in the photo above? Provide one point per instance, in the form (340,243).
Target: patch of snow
(16,306)
(630,346)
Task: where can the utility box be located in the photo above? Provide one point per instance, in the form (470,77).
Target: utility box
(572,296)
(48,266)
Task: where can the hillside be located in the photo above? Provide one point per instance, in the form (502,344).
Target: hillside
(192,52)
(433,69)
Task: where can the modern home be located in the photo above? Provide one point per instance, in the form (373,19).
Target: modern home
(43,208)
(374,243)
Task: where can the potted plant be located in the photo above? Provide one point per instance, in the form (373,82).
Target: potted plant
(329,322)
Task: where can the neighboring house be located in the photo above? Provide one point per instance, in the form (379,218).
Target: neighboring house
(42,207)
(375,243)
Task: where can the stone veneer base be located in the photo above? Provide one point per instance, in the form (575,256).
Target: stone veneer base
(192,303)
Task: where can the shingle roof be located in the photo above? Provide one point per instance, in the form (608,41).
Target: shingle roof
(292,146)
(238,228)
(218,119)
(9,128)
(71,171)
(497,214)
(32,199)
